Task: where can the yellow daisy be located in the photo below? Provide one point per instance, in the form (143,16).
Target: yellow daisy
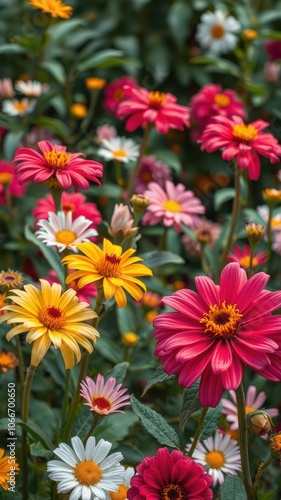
(109,269)
(54,7)
(7,465)
(51,316)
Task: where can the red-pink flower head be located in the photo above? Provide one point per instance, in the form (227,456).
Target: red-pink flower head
(242,256)
(211,101)
(214,332)
(206,232)
(114,92)
(56,167)
(170,475)
(84,294)
(142,106)
(173,207)
(150,170)
(245,142)
(9,182)
(103,397)
(273,49)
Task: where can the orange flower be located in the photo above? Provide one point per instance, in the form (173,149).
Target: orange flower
(5,469)
(54,7)
(8,361)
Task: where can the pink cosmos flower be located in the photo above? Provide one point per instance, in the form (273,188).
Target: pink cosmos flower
(172,207)
(242,256)
(103,397)
(217,330)
(56,167)
(150,170)
(9,182)
(206,231)
(105,132)
(84,294)
(241,141)
(211,101)
(170,475)
(114,92)
(142,106)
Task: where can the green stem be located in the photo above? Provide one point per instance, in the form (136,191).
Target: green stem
(235,213)
(269,234)
(251,260)
(262,468)
(25,406)
(135,171)
(198,431)
(65,396)
(96,418)
(57,200)
(20,367)
(243,442)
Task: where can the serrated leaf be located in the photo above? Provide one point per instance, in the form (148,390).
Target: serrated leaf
(37,450)
(154,259)
(118,372)
(155,424)
(97,59)
(222,196)
(158,377)
(190,403)
(232,489)
(56,69)
(211,422)
(170,159)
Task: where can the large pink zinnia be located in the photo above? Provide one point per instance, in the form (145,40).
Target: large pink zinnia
(214,332)
(241,141)
(142,106)
(172,207)
(56,167)
(170,476)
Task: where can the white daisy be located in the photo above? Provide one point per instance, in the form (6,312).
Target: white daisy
(31,88)
(263,211)
(16,107)
(119,148)
(59,231)
(215,32)
(86,472)
(123,488)
(221,454)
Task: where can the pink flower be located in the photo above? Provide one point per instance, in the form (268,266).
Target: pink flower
(211,101)
(271,72)
(56,167)
(143,106)
(172,207)
(114,92)
(6,88)
(218,330)
(103,397)
(170,475)
(273,49)
(9,182)
(122,223)
(105,132)
(242,256)
(206,232)
(241,141)
(84,294)
(151,169)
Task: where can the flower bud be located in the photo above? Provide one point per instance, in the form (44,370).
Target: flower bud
(254,232)
(272,197)
(79,110)
(260,423)
(130,339)
(139,202)
(250,34)
(121,224)
(93,83)
(275,445)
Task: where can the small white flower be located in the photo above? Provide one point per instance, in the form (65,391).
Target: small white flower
(215,32)
(123,487)
(263,211)
(59,231)
(221,454)
(17,107)
(86,472)
(31,88)
(119,148)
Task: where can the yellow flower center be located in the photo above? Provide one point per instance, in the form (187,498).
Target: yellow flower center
(57,159)
(5,177)
(52,317)
(244,132)
(101,402)
(245,262)
(109,266)
(119,153)
(249,409)
(156,99)
(172,206)
(217,31)
(275,222)
(87,472)
(172,492)
(66,237)
(20,105)
(119,495)
(118,95)
(68,207)
(221,100)
(215,459)
(222,322)
(277,442)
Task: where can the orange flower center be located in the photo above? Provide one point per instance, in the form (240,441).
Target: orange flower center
(52,317)
(68,207)
(119,153)
(156,99)
(118,95)
(119,495)
(146,176)
(245,262)
(244,132)
(57,159)
(249,409)
(277,442)
(109,266)
(215,459)
(217,31)
(172,492)
(66,237)
(221,322)
(221,100)
(203,236)
(102,403)
(10,279)
(87,473)
(5,177)
(20,105)
(172,206)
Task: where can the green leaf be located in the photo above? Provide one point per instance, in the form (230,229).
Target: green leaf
(57,126)
(37,450)
(62,29)
(179,17)
(56,69)
(190,403)
(11,143)
(270,35)
(36,432)
(211,422)
(269,15)
(110,190)
(266,495)
(155,424)
(154,259)
(170,159)
(222,196)
(48,253)
(125,320)
(232,489)
(254,88)
(118,372)
(189,231)
(158,377)
(109,349)
(12,48)
(99,58)
(218,64)
(115,428)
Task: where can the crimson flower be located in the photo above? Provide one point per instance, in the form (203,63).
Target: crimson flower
(241,141)
(215,332)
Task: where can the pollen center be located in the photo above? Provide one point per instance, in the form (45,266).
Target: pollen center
(65,237)
(119,153)
(172,206)
(119,495)
(52,317)
(221,100)
(20,105)
(5,177)
(57,159)
(244,132)
(87,472)
(68,207)
(109,266)
(172,492)
(277,442)
(217,31)
(249,409)
(101,403)
(245,262)
(203,236)
(156,99)
(222,322)
(118,95)
(215,459)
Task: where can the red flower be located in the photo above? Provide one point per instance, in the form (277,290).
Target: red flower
(241,141)
(114,92)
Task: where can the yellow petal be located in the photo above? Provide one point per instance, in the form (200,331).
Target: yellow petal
(120,297)
(39,349)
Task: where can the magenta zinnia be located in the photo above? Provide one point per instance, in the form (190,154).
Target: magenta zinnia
(242,256)
(56,167)
(244,142)
(217,330)
(170,476)
(103,397)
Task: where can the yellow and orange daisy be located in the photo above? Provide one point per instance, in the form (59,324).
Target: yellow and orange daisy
(54,7)
(8,361)
(51,316)
(5,469)
(109,269)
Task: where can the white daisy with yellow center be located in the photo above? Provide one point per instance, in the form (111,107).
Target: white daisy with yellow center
(18,107)
(120,149)
(220,454)
(31,88)
(60,232)
(216,32)
(86,472)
